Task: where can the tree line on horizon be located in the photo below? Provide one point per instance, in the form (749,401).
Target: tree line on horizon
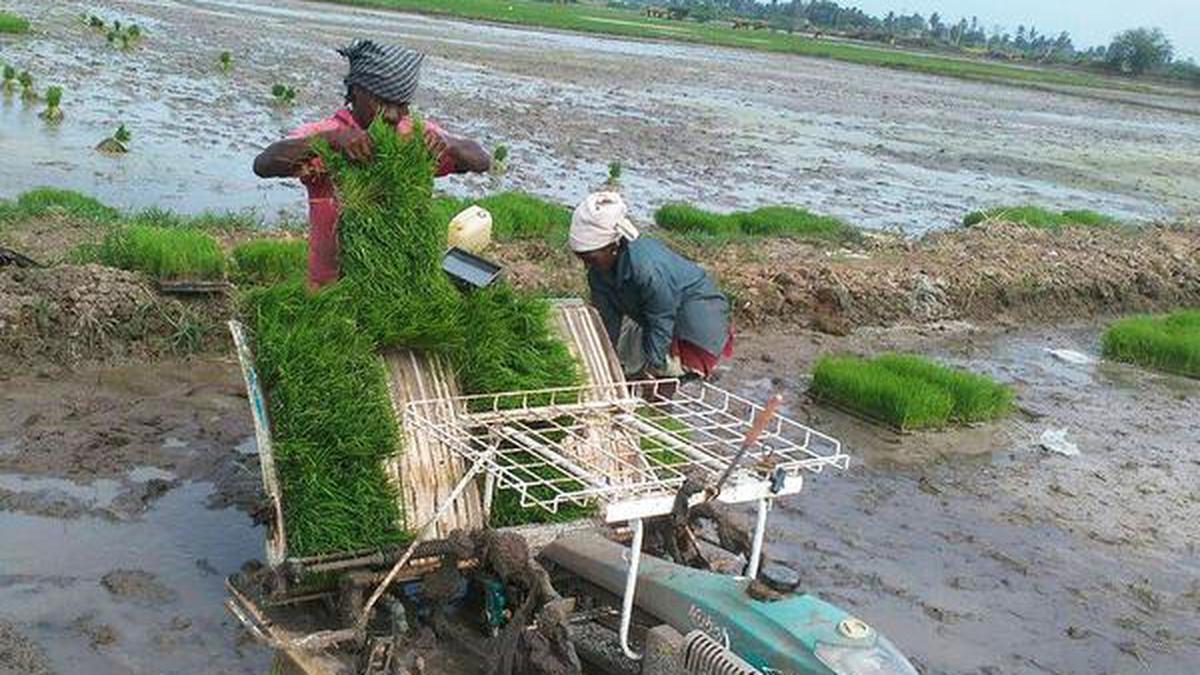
(1133,52)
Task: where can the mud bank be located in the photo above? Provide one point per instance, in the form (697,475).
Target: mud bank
(72,314)
(722,128)
(992,274)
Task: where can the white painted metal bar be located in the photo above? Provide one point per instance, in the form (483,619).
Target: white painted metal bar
(760,533)
(635,558)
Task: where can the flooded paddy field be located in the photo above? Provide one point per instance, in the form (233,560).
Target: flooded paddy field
(723,128)
(127,491)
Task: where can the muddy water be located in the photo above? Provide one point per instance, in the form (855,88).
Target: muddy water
(979,551)
(115,526)
(132,597)
(724,128)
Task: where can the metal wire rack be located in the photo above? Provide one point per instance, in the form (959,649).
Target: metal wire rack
(627,452)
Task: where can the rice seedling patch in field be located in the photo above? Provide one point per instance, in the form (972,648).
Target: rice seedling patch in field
(1169,343)
(769,221)
(283,95)
(12,24)
(52,202)
(1038,217)
(263,262)
(909,392)
(163,253)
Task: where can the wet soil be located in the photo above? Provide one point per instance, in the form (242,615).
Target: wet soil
(723,128)
(980,552)
(120,490)
(977,551)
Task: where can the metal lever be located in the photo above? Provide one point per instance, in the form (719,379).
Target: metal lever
(760,424)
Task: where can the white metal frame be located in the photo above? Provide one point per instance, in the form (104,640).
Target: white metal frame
(628,454)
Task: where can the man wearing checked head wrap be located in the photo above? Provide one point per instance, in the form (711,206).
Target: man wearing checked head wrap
(381,83)
(662,312)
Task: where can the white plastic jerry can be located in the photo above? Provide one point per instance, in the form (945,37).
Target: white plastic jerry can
(471,230)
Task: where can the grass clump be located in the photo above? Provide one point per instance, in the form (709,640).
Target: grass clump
(53,111)
(284,95)
(28,93)
(770,221)
(225,62)
(1169,343)
(52,202)
(318,353)
(163,253)
(118,143)
(12,24)
(1038,217)
(909,392)
(262,262)
(11,84)
(209,221)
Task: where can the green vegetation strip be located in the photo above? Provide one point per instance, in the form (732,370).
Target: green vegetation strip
(13,24)
(771,221)
(1168,343)
(49,202)
(515,216)
(1040,218)
(263,262)
(909,392)
(318,353)
(163,253)
(592,18)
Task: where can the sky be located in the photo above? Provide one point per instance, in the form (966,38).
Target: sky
(1090,22)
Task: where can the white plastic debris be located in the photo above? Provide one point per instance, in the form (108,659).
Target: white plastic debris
(1070,356)
(1055,440)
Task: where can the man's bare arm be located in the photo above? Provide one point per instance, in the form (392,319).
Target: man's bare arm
(284,159)
(469,156)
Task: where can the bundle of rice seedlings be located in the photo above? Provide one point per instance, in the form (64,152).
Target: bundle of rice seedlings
(909,392)
(270,261)
(318,353)
(163,253)
(332,418)
(1040,218)
(768,221)
(1168,343)
(53,111)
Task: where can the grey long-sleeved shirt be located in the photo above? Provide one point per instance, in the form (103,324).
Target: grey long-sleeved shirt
(666,294)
